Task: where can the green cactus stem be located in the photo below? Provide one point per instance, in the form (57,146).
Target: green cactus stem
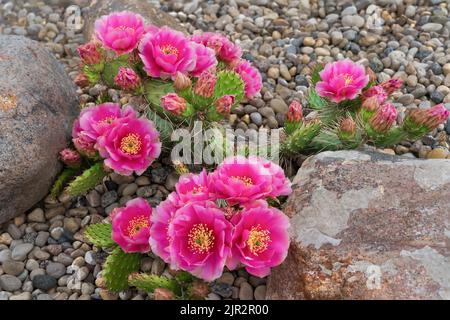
(87,180)
(118,266)
(99,234)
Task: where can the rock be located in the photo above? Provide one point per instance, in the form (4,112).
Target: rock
(12,267)
(56,269)
(279,106)
(21,296)
(353,21)
(20,252)
(38,104)
(37,215)
(44,282)
(151,15)
(226,278)
(438,153)
(260,293)
(429,27)
(10,283)
(246,291)
(6,239)
(367,226)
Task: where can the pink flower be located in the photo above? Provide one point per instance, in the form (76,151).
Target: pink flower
(200,240)
(70,158)
(392,85)
(159,231)
(224,104)
(181,81)
(260,239)
(127,79)
(120,31)
(131,144)
(430,118)
(131,226)
(240,180)
(205,84)
(295,113)
(174,103)
(342,80)
(205,59)
(90,53)
(251,77)
(224,48)
(166,52)
(376,91)
(384,118)
(194,187)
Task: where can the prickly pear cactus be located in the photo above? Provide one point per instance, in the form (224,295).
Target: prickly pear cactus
(118,266)
(99,234)
(87,180)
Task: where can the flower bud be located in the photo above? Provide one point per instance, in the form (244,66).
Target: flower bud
(376,91)
(205,85)
(163,294)
(384,118)
(224,104)
(90,53)
(182,81)
(295,113)
(70,158)
(199,290)
(371,104)
(127,79)
(392,85)
(174,103)
(82,80)
(347,126)
(430,118)
(371,74)
(85,145)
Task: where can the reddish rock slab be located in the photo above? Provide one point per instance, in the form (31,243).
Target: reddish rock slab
(38,104)
(151,15)
(367,226)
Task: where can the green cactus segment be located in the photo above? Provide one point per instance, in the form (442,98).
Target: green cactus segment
(385,139)
(65,176)
(93,73)
(164,127)
(326,140)
(315,75)
(315,101)
(118,266)
(290,127)
(87,180)
(301,138)
(99,234)
(150,282)
(229,83)
(413,130)
(213,115)
(112,69)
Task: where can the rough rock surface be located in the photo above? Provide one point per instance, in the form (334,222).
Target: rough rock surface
(367,226)
(151,15)
(38,103)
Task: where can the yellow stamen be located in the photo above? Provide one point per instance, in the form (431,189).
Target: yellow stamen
(107,120)
(137,224)
(131,144)
(348,79)
(198,189)
(169,49)
(124,28)
(246,180)
(258,240)
(200,238)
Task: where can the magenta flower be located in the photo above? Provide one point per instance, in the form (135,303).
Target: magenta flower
(127,79)
(224,48)
(241,180)
(166,52)
(376,91)
(342,80)
(194,187)
(70,158)
(131,226)
(392,85)
(384,118)
(159,231)
(200,240)
(205,59)
(224,104)
(206,84)
(90,53)
(131,144)
(295,112)
(260,239)
(251,77)
(174,103)
(120,31)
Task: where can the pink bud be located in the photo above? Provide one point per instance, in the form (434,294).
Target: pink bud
(347,125)
(163,294)
(392,85)
(71,158)
(431,118)
(127,79)
(224,104)
(295,112)
(371,74)
(174,103)
(199,290)
(90,53)
(81,80)
(206,84)
(384,118)
(371,104)
(376,91)
(182,81)
(85,145)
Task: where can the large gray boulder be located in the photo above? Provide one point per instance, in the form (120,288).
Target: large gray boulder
(151,15)
(367,226)
(38,104)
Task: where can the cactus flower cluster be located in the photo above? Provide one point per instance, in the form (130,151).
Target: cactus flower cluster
(353,109)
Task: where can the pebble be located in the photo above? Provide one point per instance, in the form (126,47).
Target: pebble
(245,291)
(37,215)
(10,283)
(56,269)
(20,252)
(12,267)
(44,282)
(260,292)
